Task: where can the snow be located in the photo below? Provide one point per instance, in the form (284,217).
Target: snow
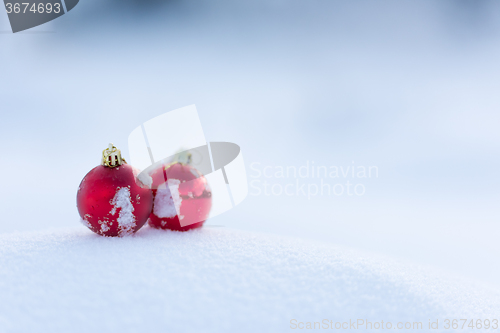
(104,226)
(168,200)
(126,218)
(214,280)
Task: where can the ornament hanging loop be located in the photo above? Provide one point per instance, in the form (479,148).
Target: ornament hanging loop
(112,157)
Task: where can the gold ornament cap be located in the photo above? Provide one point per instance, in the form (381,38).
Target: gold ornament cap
(183,157)
(112,157)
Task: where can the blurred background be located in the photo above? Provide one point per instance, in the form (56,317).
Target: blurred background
(411,87)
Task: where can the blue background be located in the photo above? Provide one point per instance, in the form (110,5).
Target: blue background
(408,86)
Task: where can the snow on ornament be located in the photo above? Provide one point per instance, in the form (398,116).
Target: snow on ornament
(182,196)
(111,199)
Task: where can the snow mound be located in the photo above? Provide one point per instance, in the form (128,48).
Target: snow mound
(126,218)
(214,280)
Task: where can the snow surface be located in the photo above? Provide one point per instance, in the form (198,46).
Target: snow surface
(213,280)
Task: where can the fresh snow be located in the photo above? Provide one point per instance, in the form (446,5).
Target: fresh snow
(214,280)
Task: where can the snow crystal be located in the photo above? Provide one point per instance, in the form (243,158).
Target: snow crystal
(167,200)
(126,218)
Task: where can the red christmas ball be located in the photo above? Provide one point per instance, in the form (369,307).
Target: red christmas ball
(182,197)
(111,200)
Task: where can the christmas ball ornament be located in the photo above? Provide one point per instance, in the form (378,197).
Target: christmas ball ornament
(182,197)
(111,199)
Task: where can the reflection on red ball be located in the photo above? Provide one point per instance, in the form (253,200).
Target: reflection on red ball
(182,198)
(113,202)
